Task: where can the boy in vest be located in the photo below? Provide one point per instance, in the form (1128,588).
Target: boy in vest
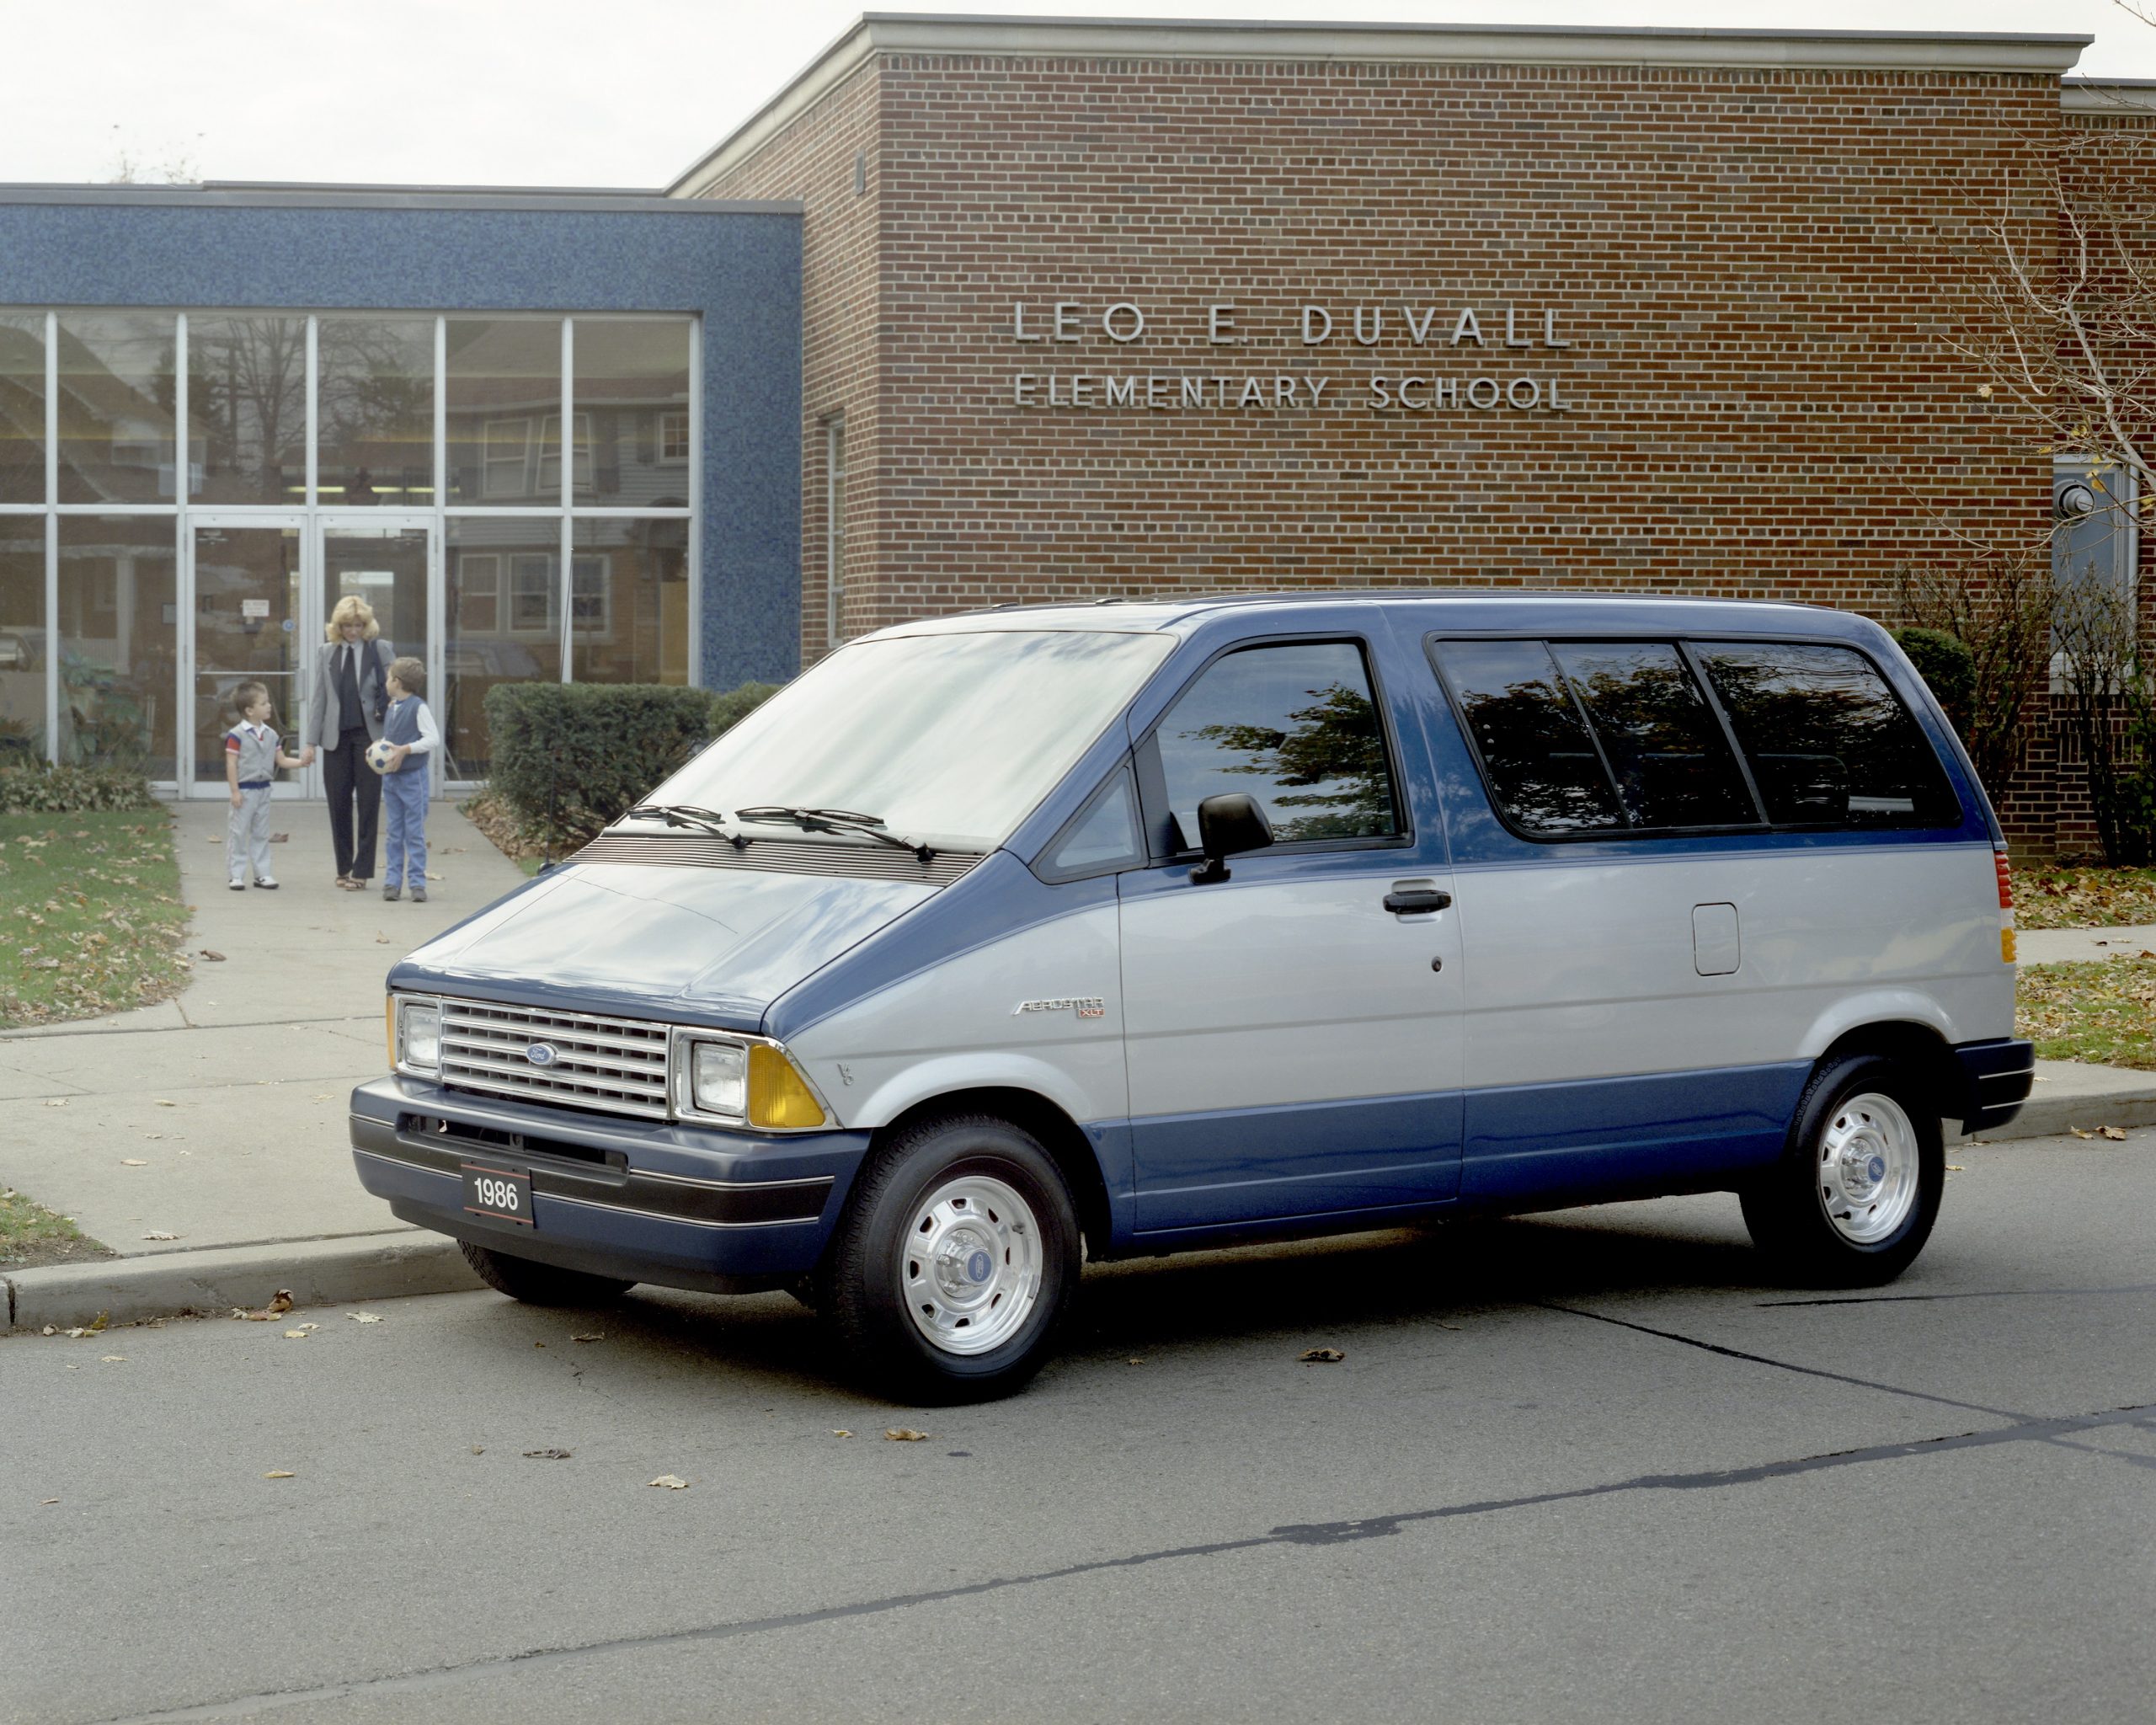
(412,736)
(253,755)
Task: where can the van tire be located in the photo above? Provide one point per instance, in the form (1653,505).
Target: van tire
(1854,1197)
(541,1284)
(954,1262)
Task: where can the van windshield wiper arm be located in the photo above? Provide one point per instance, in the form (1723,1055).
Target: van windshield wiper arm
(689,815)
(835,820)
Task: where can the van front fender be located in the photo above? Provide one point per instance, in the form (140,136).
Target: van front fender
(917,1082)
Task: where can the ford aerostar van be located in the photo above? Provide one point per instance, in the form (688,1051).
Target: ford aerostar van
(997,942)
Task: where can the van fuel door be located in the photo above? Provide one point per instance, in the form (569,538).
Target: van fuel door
(1716,950)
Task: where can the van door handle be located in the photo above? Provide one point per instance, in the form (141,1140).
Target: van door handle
(1410,898)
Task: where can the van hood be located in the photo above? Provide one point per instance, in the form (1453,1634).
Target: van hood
(700,946)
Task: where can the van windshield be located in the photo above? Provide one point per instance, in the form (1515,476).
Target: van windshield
(952,739)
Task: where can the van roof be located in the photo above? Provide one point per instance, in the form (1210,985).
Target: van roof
(1463,607)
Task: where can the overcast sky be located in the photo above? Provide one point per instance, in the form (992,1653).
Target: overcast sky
(627,93)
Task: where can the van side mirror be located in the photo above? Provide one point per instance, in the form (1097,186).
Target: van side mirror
(1227,824)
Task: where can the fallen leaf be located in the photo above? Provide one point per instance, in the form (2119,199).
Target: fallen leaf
(48,1500)
(281,1473)
(97,1324)
(842,1435)
(902,1435)
(2078,1133)
(431,875)
(112,1360)
(478,1449)
(1320,1356)
(163,1104)
(363,1317)
(548,1455)
(50,1330)
(1135,1360)
(1955,1168)
(159,1234)
(214,957)
(382,940)
(55,1102)
(2115,1134)
(598,1337)
(132,1161)
(673,1482)
(279,1303)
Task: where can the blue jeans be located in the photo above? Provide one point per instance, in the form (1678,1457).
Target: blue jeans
(404,812)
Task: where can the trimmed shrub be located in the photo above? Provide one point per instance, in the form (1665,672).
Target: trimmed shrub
(570,757)
(729,709)
(1945,662)
(71,790)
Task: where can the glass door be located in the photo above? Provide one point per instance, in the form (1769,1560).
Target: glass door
(389,562)
(246,609)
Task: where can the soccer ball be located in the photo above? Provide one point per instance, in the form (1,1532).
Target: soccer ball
(380,753)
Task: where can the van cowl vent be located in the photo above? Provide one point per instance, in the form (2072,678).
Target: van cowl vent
(851,861)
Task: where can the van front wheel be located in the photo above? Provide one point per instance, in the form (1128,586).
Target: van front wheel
(1854,1197)
(957,1255)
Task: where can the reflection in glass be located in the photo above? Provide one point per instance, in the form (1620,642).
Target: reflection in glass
(247,408)
(951,738)
(1293,727)
(118,622)
(503,611)
(1828,742)
(1672,763)
(247,591)
(632,398)
(22,407)
(376,405)
(22,639)
(629,602)
(1539,761)
(504,410)
(119,434)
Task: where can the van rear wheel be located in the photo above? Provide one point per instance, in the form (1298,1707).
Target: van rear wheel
(541,1284)
(1854,1197)
(956,1257)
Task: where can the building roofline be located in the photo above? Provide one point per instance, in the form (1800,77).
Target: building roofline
(225,194)
(2107,95)
(1427,44)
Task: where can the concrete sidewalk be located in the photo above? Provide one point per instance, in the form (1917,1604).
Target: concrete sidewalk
(231,1097)
(219,1118)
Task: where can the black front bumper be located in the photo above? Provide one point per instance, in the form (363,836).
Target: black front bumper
(682,1206)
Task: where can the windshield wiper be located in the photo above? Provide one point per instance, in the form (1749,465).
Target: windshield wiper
(835,820)
(689,815)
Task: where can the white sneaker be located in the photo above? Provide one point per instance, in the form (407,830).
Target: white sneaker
(268,880)
(238,886)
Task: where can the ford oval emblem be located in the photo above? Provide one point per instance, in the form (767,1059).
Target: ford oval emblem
(541,1054)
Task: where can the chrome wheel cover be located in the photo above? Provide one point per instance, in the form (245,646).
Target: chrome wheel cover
(970,1265)
(1867,1168)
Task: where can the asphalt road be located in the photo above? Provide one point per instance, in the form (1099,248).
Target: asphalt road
(1574,1468)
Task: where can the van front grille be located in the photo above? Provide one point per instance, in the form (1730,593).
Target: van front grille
(616,1065)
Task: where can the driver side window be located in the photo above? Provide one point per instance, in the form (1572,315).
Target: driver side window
(1294,726)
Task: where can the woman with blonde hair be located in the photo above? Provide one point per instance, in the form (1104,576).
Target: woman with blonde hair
(343,710)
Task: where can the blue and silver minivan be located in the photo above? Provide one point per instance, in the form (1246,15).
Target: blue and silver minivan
(1000,942)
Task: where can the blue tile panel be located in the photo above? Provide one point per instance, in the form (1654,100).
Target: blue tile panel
(739,270)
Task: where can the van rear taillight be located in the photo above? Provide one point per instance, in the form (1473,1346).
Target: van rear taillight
(2005,904)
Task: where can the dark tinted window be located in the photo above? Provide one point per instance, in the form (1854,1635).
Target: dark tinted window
(1828,742)
(1663,743)
(1541,764)
(1293,726)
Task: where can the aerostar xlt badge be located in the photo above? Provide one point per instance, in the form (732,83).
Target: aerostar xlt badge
(1089,1005)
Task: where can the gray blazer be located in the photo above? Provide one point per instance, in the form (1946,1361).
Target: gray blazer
(318,726)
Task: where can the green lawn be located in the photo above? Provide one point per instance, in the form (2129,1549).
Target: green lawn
(90,916)
(2084,898)
(31,1234)
(2104,1012)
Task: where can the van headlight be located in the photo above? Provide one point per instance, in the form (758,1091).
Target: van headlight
(742,1082)
(416,1036)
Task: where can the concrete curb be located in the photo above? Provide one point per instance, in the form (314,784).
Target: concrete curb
(166,1284)
(2047,1117)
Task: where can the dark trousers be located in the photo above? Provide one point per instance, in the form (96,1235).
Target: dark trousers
(349,780)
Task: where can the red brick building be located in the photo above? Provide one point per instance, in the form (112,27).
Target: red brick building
(1097,308)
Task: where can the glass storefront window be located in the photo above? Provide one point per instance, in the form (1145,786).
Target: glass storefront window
(247,408)
(376,406)
(22,407)
(503,612)
(22,639)
(631,396)
(119,432)
(504,410)
(118,627)
(629,602)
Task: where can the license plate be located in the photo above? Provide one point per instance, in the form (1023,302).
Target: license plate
(504,1195)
